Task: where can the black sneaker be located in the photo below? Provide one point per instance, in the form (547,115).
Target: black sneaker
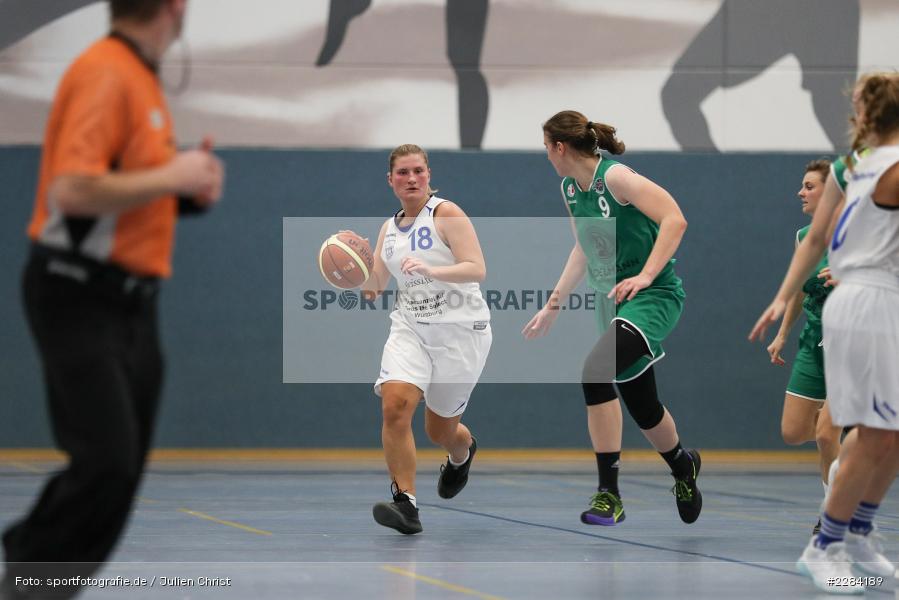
(453,479)
(686,493)
(605,509)
(400,514)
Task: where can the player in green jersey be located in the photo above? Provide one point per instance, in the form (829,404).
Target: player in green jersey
(805,414)
(627,229)
(834,192)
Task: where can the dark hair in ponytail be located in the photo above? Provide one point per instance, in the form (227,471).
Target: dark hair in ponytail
(583,135)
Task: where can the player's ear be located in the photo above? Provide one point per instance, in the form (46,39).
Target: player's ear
(389,179)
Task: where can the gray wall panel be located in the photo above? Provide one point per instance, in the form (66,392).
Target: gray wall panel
(221,312)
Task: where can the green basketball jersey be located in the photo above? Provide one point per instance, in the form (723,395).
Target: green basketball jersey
(815,290)
(838,167)
(616,238)
(838,170)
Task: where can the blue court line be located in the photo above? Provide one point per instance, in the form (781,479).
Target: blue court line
(766,499)
(708,492)
(660,486)
(629,542)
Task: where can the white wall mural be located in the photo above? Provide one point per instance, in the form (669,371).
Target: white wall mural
(732,75)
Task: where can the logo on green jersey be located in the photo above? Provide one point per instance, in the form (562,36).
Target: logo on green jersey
(602,248)
(598,186)
(570,190)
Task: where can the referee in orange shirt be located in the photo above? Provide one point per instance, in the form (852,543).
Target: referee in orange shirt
(111,187)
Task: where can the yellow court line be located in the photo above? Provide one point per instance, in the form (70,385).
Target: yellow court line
(247,528)
(376,454)
(31,454)
(441,584)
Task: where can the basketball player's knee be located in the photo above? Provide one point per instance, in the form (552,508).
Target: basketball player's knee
(396,411)
(646,411)
(825,428)
(437,432)
(827,437)
(598,393)
(599,367)
(434,434)
(793,434)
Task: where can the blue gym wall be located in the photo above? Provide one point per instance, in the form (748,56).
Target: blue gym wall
(221,312)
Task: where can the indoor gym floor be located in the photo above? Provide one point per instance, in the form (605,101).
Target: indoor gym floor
(299,525)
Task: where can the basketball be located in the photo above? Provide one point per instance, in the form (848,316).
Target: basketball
(345,260)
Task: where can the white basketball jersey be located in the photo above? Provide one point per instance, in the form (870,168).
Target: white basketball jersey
(420,298)
(866,240)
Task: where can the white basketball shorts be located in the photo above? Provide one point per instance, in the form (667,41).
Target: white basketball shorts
(444,360)
(861,346)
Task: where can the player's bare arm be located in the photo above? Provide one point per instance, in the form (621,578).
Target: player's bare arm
(657,204)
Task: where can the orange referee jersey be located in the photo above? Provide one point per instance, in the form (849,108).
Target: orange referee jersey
(109,114)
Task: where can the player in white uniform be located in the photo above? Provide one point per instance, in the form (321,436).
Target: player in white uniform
(861,340)
(439,333)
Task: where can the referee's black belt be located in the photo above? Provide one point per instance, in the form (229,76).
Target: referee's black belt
(104,278)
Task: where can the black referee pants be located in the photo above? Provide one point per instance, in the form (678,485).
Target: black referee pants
(103,371)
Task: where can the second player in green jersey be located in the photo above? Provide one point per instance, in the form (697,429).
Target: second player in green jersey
(627,229)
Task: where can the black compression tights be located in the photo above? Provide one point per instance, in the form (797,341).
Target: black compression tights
(619,348)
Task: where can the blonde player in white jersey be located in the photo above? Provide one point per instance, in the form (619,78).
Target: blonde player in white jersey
(861,342)
(439,332)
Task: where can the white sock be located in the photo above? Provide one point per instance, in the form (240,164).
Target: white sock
(832,471)
(464,460)
(411,499)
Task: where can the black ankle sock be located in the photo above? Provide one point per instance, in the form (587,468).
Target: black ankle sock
(680,462)
(607,465)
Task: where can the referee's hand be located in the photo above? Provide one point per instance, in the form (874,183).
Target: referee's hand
(198,173)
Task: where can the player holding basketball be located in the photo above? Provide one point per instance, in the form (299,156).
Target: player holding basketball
(805,414)
(439,333)
(861,339)
(608,201)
